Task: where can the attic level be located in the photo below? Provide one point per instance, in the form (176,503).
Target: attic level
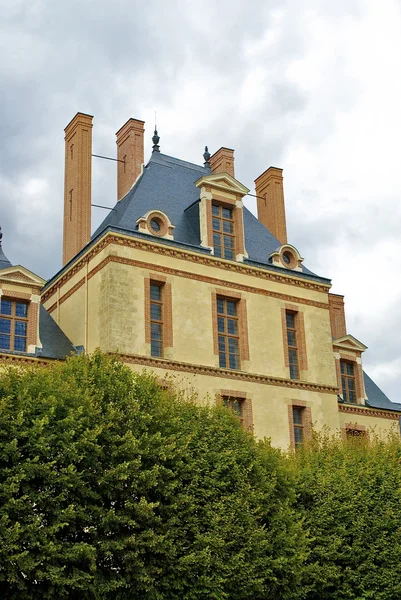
(174,201)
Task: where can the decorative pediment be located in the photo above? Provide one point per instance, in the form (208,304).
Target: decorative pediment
(349,342)
(224,182)
(19,274)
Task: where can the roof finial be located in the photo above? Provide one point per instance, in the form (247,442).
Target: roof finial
(155,138)
(1,236)
(206,156)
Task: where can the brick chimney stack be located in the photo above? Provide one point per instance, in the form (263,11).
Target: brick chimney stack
(222,161)
(77,185)
(337,316)
(270,202)
(130,149)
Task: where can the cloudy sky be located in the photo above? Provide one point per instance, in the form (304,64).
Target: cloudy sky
(313,87)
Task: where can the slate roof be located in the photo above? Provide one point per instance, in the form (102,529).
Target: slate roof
(54,341)
(168,184)
(377,398)
(4,262)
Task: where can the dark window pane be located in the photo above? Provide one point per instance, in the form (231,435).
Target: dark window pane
(291,338)
(222,360)
(215,209)
(5,326)
(155,292)
(155,224)
(227,213)
(228,242)
(236,406)
(156,311)
(290,318)
(156,348)
(292,355)
(20,328)
(298,435)
(216,239)
(226,402)
(216,224)
(5,307)
(220,324)
(156,331)
(220,306)
(217,251)
(342,367)
(234,361)
(222,343)
(21,309)
(231,308)
(352,397)
(297,415)
(293,372)
(5,342)
(351,384)
(228,254)
(350,369)
(232,326)
(228,227)
(19,344)
(233,345)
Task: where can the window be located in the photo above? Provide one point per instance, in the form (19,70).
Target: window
(223,232)
(298,424)
(291,325)
(13,325)
(156,319)
(228,335)
(348,381)
(236,405)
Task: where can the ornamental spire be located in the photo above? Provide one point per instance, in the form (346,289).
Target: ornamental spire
(206,156)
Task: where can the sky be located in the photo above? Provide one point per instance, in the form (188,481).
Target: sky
(313,87)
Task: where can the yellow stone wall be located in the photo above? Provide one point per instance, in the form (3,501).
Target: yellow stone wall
(375,425)
(103,305)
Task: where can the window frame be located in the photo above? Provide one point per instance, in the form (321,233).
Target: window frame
(226,335)
(158,322)
(13,318)
(292,349)
(305,424)
(219,216)
(347,377)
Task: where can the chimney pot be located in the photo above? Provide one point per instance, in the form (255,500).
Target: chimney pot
(130,150)
(270,202)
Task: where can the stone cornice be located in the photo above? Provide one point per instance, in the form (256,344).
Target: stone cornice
(23,360)
(236,267)
(368,412)
(174,365)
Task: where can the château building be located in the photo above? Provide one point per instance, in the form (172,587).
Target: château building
(182,279)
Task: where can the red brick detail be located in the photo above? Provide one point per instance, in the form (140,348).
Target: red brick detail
(77,185)
(239,230)
(353,428)
(147,310)
(33,313)
(52,308)
(130,149)
(72,290)
(222,161)
(306,420)
(270,202)
(337,316)
(214,324)
(13,295)
(358,373)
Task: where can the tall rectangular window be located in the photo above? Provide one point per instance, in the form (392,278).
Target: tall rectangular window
(13,325)
(223,232)
(298,424)
(348,381)
(228,333)
(156,319)
(292,343)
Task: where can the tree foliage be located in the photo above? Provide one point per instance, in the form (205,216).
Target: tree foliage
(112,487)
(350,500)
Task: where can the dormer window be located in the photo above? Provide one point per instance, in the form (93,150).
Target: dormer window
(157,223)
(223,232)
(13,325)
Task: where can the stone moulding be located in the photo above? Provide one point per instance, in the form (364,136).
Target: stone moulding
(173,365)
(236,267)
(368,412)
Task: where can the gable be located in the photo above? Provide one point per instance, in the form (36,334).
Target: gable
(19,274)
(222,181)
(349,342)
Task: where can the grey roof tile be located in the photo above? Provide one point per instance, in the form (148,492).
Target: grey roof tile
(377,398)
(55,344)
(4,262)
